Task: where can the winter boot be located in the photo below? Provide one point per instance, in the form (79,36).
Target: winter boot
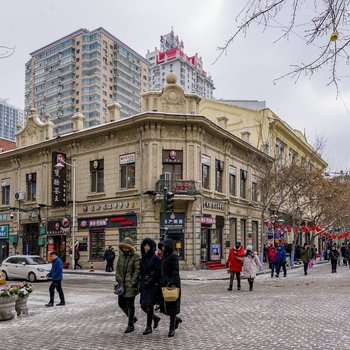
(251,281)
(148,329)
(230,287)
(172,326)
(156,320)
(177,322)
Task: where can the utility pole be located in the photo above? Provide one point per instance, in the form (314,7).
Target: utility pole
(162,222)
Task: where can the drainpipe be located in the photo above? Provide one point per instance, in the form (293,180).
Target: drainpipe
(194,229)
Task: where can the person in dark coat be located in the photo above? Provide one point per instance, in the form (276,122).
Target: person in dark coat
(56,274)
(149,282)
(281,261)
(170,276)
(108,256)
(128,273)
(334,255)
(306,257)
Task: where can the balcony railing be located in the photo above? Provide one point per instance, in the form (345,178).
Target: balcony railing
(184,187)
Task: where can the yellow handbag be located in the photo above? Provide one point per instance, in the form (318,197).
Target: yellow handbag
(170,294)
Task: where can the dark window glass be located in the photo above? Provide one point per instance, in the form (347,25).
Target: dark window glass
(232,184)
(97,175)
(205,176)
(254,192)
(97,239)
(127,175)
(243,181)
(31,187)
(5,195)
(219,170)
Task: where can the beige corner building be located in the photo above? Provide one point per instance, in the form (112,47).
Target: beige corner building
(121,170)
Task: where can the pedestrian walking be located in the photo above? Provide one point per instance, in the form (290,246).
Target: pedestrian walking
(306,257)
(149,282)
(76,259)
(108,256)
(56,274)
(334,255)
(347,254)
(343,254)
(170,277)
(313,252)
(273,260)
(128,273)
(251,263)
(281,261)
(112,258)
(235,263)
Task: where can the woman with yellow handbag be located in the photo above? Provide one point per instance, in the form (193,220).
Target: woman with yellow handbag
(170,297)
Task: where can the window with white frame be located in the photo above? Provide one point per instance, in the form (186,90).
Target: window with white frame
(97,175)
(31,187)
(243,183)
(232,180)
(5,191)
(219,171)
(206,171)
(127,170)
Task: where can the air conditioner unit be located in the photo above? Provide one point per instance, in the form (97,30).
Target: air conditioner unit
(20,195)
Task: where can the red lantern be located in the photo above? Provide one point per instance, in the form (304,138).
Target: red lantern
(303,229)
(289,229)
(318,229)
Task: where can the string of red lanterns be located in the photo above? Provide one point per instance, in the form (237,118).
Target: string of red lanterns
(308,228)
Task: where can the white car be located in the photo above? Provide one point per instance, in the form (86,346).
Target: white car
(29,267)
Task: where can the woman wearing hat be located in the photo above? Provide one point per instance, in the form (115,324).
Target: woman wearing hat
(127,272)
(251,263)
(170,277)
(149,282)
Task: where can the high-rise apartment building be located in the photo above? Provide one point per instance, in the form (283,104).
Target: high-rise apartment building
(84,72)
(10,116)
(188,69)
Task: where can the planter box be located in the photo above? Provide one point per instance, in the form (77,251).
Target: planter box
(7,308)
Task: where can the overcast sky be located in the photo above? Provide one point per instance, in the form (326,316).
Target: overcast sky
(245,72)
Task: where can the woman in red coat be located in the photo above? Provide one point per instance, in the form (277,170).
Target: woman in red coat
(235,263)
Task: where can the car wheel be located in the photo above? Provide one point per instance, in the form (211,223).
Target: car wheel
(6,277)
(31,277)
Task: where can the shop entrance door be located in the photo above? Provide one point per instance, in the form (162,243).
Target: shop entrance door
(30,239)
(4,249)
(215,244)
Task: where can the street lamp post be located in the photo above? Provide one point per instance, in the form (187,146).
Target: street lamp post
(60,165)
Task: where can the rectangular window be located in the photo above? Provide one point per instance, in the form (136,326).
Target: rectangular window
(205,172)
(279,153)
(5,191)
(97,175)
(97,244)
(243,181)
(244,232)
(172,163)
(255,235)
(254,189)
(232,180)
(127,170)
(31,187)
(219,170)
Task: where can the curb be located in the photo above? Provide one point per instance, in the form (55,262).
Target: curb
(102,273)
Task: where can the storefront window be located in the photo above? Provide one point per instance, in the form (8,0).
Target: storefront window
(97,239)
(255,235)
(128,232)
(244,232)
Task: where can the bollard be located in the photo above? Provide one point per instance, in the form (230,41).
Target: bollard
(91,267)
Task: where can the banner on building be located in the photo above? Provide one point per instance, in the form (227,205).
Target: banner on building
(59,179)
